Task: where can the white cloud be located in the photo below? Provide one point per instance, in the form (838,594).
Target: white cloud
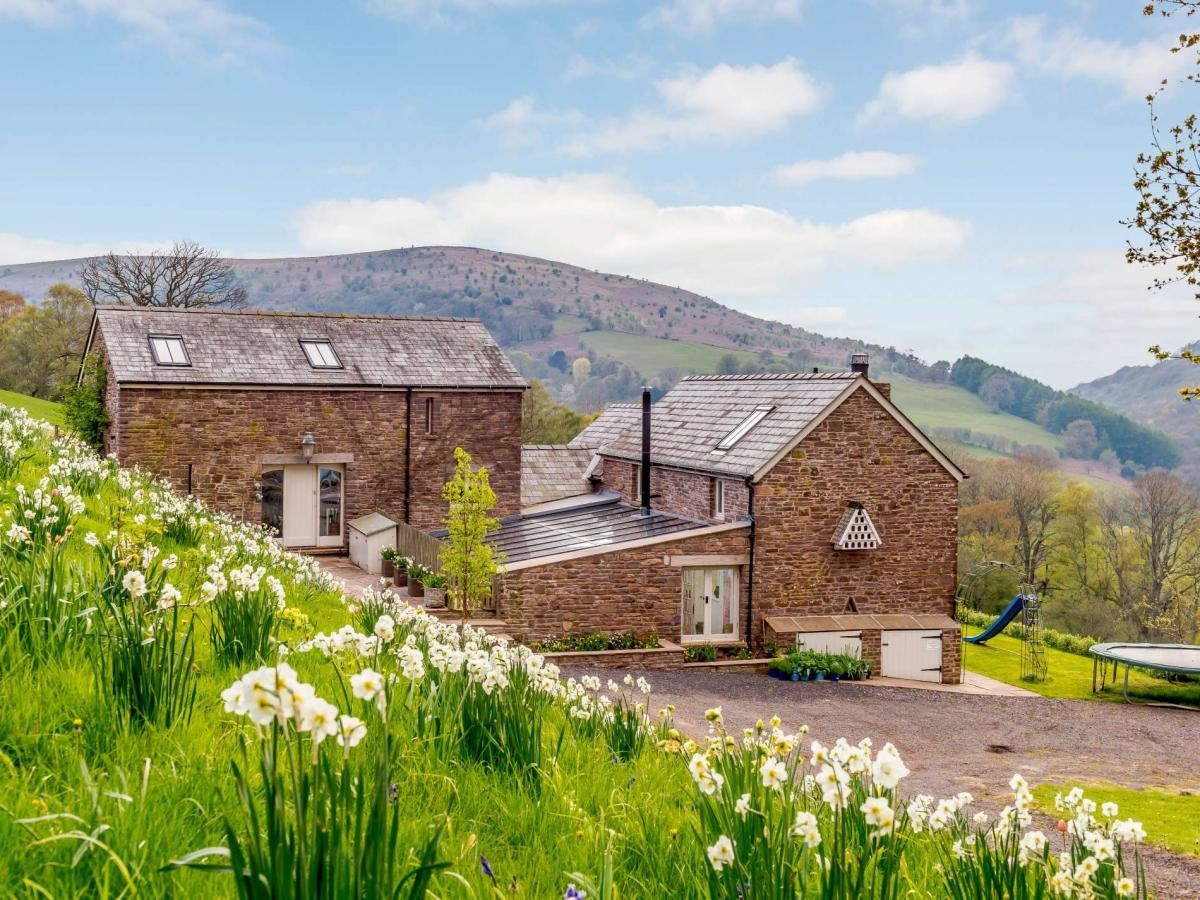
(1137,69)
(603,222)
(202,29)
(725,102)
(953,92)
(851,166)
(16,249)
(702,16)
(521,122)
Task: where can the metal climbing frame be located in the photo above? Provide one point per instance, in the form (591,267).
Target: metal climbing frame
(1033,648)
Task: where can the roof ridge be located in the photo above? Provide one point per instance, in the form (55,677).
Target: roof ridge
(775,376)
(300,314)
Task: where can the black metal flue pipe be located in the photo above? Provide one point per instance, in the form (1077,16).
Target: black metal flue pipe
(645,470)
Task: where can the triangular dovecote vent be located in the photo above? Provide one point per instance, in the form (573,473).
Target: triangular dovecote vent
(856,531)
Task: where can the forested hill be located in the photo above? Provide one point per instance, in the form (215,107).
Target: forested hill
(521,299)
(1150,395)
(1091,428)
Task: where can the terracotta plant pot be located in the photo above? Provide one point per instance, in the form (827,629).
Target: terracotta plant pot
(399,576)
(415,588)
(389,569)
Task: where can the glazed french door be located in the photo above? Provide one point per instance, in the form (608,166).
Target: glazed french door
(305,503)
(710,604)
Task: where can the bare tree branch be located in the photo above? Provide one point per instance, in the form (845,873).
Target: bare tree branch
(186,276)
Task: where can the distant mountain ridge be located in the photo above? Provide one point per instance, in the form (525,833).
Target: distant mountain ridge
(1150,394)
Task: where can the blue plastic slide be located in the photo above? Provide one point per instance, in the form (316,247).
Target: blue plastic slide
(1010,612)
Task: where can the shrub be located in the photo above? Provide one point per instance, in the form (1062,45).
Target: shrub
(84,403)
(596,640)
(245,603)
(700,653)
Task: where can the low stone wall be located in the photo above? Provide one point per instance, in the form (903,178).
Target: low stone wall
(952,656)
(731,666)
(666,656)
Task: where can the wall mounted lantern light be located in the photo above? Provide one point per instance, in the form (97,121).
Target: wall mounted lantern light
(308,445)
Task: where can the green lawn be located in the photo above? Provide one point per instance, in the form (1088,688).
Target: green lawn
(43,409)
(1170,818)
(947,406)
(651,355)
(1070,675)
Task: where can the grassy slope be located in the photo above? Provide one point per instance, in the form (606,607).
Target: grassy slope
(948,406)
(652,355)
(1070,675)
(1171,816)
(43,409)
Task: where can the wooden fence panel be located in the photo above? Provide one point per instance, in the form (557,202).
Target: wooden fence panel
(419,546)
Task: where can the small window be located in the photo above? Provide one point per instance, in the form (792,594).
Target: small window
(320,355)
(429,415)
(168,350)
(718,498)
(727,442)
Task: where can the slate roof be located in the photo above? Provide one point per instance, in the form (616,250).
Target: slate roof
(610,423)
(694,416)
(553,472)
(606,522)
(263,348)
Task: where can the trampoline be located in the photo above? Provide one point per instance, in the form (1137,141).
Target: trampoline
(1182,659)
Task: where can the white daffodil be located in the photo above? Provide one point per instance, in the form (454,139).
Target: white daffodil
(774,773)
(720,854)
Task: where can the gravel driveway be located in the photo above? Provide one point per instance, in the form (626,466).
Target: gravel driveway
(954,742)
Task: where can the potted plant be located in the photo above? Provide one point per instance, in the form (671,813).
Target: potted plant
(400,575)
(388,555)
(435,589)
(416,572)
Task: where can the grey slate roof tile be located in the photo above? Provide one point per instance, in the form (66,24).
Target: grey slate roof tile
(692,418)
(263,348)
(552,472)
(610,423)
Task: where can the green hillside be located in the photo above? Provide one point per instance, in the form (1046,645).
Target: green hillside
(43,409)
(650,355)
(941,406)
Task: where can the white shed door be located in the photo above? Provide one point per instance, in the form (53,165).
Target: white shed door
(849,642)
(912,654)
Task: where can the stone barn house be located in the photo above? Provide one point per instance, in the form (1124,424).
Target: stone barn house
(778,509)
(739,511)
(305,421)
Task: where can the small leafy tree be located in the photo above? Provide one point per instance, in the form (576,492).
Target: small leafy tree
(469,562)
(84,403)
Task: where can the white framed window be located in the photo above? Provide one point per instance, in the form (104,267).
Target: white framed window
(718,505)
(743,428)
(320,354)
(169,350)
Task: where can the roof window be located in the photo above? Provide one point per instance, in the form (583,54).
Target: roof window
(320,354)
(168,350)
(727,442)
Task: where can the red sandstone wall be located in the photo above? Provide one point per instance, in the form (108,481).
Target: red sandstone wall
(682,493)
(610,592)
(224,434)
(858,453)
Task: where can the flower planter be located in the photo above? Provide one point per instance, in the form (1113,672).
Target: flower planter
(389,569)
(820,676)
(400,577)
(415,588)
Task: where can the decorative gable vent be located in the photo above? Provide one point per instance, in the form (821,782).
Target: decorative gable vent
(856,531)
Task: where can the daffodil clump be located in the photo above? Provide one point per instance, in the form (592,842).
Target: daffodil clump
(841,829)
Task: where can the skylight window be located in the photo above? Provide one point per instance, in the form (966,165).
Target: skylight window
(168,350)
(727,442)
(320,355)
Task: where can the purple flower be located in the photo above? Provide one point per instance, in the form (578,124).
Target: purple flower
(573,893)
(487,869)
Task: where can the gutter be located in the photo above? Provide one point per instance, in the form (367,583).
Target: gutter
(750,573)
(407,454)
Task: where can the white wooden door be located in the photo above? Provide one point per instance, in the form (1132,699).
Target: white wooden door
(710,605)
(299,506)
(848,642)
(911,654)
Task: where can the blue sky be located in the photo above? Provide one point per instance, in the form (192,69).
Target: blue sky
(942,175)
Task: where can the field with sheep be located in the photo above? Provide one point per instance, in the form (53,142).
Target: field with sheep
(186,710)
